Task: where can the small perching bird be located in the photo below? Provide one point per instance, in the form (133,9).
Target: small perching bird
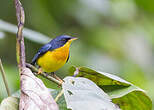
(53,55)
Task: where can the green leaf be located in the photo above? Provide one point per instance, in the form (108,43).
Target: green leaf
(126,95)
(83,94)
(10,103)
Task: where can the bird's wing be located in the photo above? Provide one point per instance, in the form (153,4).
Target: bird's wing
(43,50)
(68,58)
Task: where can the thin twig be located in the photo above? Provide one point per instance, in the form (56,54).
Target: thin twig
(62,91)
(59,95)
(45,75)
(4,78)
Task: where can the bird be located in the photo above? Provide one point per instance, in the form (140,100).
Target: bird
(53,55)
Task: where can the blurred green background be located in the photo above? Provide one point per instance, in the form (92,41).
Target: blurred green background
(115,36)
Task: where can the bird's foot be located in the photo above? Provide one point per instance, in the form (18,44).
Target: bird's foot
(58,78)
(61,82)
(40,71)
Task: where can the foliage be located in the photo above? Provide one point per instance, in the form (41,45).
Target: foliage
(123,93)
(115,36)
(107,90)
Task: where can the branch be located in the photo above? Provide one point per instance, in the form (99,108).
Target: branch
(4,78)
(20,47)
(45,75)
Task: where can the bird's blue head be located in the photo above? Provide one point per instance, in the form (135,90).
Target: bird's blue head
(62,40)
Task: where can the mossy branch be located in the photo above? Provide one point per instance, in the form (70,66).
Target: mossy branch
(20,47)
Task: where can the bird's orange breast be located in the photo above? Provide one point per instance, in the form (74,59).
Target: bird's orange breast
(53,60)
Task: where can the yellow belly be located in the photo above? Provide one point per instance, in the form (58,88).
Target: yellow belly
(53,60)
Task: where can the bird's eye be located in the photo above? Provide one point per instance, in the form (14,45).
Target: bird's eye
(63,40)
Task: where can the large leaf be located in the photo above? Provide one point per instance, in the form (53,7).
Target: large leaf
(34,94)
(61,102)
(83,94)
(123,93)
(10,103)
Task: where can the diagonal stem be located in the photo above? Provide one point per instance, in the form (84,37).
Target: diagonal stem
(59,95)
(45,75)
(4,78)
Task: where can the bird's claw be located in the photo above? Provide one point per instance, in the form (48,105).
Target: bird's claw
(40,71)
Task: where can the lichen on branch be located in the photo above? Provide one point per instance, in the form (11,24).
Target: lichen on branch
(20,47)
